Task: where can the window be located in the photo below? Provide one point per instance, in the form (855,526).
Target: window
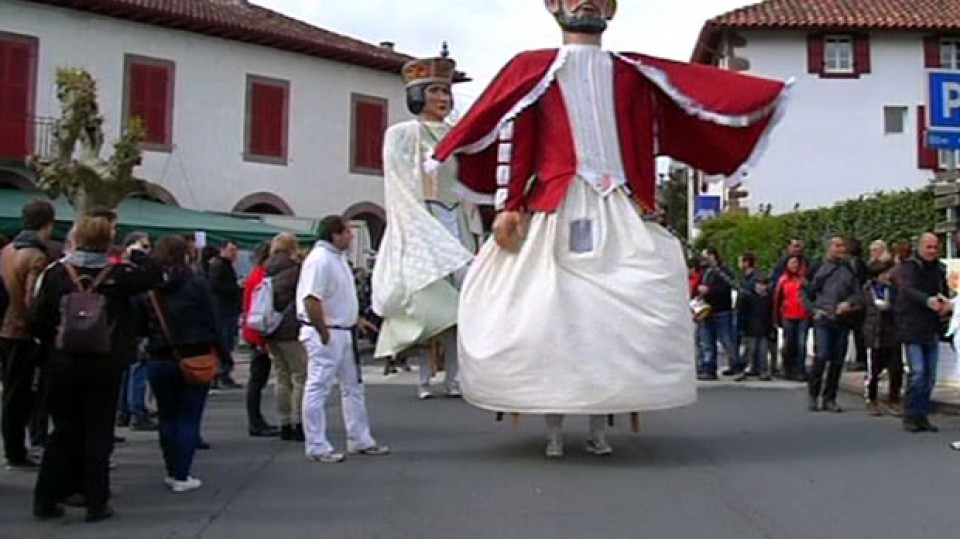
(368,124)
(266,120)
(148,95)
(894,119)
(948,159)
(18,77)
(950,53)
(838,54)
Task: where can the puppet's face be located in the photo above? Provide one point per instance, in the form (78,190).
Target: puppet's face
(582,16)
(437,102)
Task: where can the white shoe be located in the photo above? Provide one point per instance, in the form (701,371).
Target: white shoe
(599,447)
(423,393)
(327,458)
(453,389)
(190,483)
(554,449)
(372,451)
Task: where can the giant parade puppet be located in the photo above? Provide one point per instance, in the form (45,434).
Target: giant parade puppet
(579,305)
(429,238)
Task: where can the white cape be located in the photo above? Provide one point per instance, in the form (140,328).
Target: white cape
(409,282)
(600,332)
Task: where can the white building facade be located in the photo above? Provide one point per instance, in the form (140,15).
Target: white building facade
(231,125)
(855,121)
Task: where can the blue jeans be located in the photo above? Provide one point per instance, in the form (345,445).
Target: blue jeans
(831,339)
(135,382)
(923,359)
(718,327)
(756,351)
(180,406)
(795,346)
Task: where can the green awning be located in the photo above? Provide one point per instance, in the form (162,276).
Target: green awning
(155,219)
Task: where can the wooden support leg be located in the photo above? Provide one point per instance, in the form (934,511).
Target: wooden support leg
(516,420)
(635,422)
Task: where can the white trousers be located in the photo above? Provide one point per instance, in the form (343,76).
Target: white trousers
(327,364)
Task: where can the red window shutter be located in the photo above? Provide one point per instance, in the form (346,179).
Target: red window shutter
(149,100)
(861,53)
(368,132)
(815,53)
(931,52)
(16,69)
(268,120)
(927,158)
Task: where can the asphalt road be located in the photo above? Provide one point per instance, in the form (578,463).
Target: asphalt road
(743,463)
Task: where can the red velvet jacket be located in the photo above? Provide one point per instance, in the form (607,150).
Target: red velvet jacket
(518,130)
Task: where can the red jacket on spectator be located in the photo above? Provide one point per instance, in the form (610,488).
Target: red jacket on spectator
(788,300)
(255,277)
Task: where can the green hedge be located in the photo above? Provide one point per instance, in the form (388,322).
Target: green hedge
(892,217)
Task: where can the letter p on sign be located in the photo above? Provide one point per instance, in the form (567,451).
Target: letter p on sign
(943,100)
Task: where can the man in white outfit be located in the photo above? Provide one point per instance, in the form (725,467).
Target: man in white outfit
(327,308)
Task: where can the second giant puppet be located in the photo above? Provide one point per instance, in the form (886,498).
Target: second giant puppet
(427,243)
(580,305)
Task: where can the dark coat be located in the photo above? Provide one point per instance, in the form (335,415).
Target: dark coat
(225,286)
(755,313)
(833,283)
(191,315)
(719,294)
(284,273)
(879,326)
(917,280)
(125,281)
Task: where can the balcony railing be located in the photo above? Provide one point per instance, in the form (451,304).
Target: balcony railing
(20,139)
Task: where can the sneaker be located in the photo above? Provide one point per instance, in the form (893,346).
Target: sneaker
(740,377)
(874,409)
(554,449)
(453,390)
(190,483)
(893,409)
(372,451)
(728,372)
(26,465)
(765,378)
(707,377)
(955,445)
(145,425)
(423,393)
(912,425)
(812,404)
(599,448)
(927,425)
(326,458)
(831,406)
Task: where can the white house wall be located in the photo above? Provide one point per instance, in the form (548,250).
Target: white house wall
(206,169)
(831,145)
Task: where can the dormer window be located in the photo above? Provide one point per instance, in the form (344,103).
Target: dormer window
(838,54)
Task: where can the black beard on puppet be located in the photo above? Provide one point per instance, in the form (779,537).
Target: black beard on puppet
(586,24)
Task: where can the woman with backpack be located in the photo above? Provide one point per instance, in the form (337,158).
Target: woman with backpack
(78,312)
(288,355)
(257,426)
(182,324)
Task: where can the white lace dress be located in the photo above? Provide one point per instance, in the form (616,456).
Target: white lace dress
(427,242)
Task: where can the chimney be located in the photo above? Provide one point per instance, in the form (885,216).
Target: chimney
(387,45)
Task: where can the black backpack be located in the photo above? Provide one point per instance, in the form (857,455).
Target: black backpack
(84,324)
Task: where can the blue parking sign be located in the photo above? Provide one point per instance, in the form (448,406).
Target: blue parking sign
(943,100)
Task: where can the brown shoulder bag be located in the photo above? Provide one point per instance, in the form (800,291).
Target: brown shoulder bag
(197,370)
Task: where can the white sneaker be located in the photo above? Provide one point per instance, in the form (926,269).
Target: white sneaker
(327,458)
(423,393)
(599,447)
(453,389)
(554,449)
(191,483)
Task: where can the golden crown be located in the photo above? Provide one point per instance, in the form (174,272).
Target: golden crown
(429,70)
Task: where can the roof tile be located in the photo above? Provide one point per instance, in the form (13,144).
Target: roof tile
(860,14)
